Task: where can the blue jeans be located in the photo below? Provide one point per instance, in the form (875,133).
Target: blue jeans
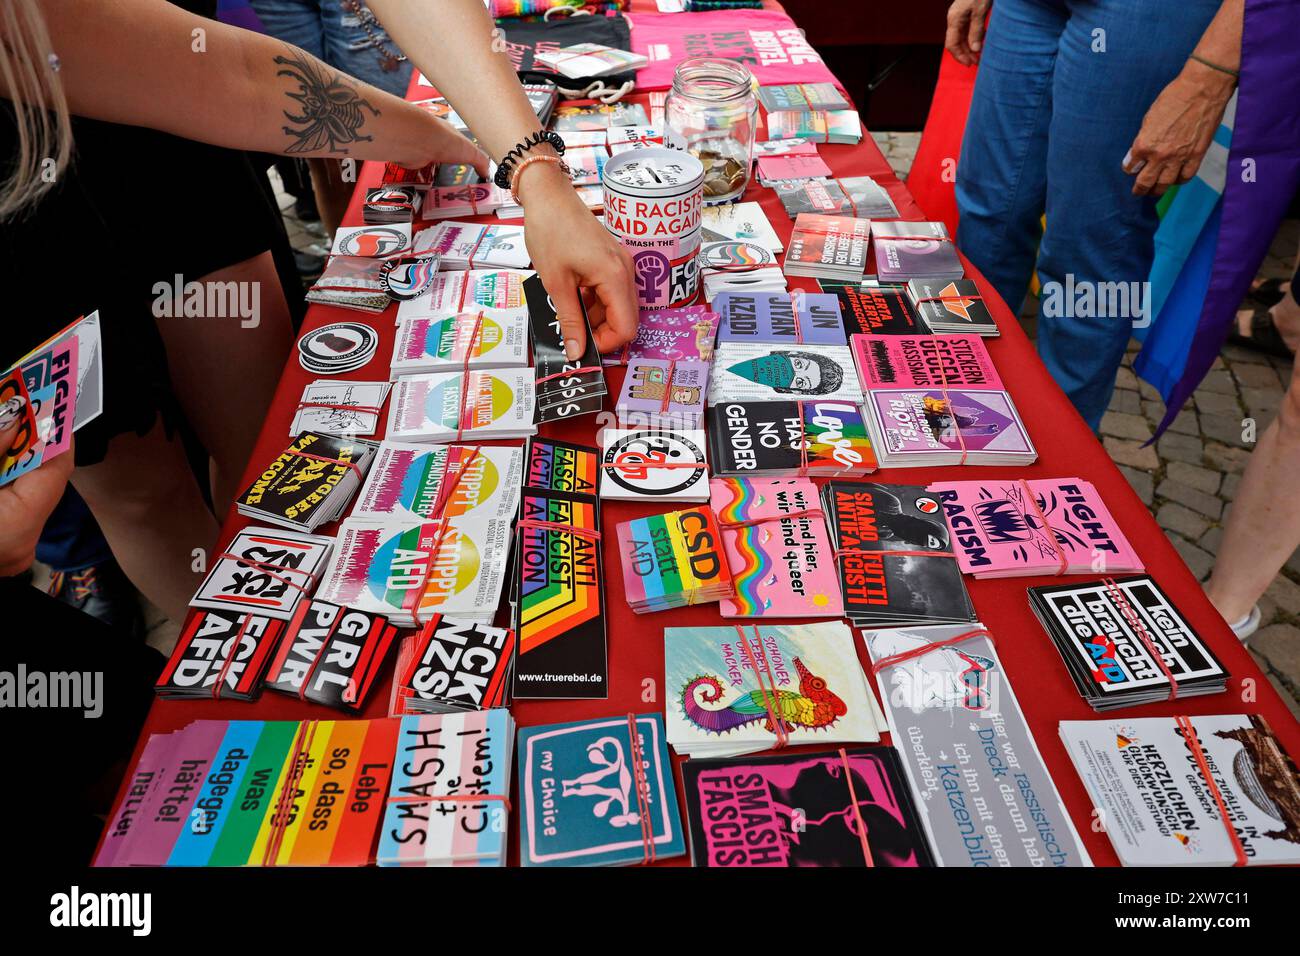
(71,539)
(327,32)
(1062,88)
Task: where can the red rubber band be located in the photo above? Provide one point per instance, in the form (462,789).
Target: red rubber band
(1047,528)
(580,370)
(264,566)
(234,649)
(1194,744)
(1136,625)
(778,725)
(857,811)
(642,791)
(903,657)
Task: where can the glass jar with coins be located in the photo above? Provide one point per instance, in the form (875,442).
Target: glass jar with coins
(712,113)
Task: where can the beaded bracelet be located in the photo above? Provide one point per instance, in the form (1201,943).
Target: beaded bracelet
(514,178)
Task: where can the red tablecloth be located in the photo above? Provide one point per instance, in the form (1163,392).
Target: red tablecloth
(1065,448)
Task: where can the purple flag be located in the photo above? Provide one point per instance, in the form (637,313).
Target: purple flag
(1263,176)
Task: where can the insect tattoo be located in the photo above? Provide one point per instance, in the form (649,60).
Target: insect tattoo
(331,112)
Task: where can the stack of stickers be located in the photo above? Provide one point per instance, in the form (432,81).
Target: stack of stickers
(671,335)
(449,797)
(220,655)
(914,250)
(775,541)
(52,391)
(739,690)
(921,361)
(763,439)
(597,793)
(266,571)
(391,204)
(339,407)
(454,665)
(565,387)
(1019,528)
(331,655)
(984,794)
(894,551)
(352,282)
(411,568)
(878,310)
(659,393)
(739,266)
(822,126)
(673,560)
(793,318)
(457,406)
(654,464)
(848,808)
(337,348)
(372,241)
(791,168)
(1149,774)
(255,793)
(467,199)
(1125,643)
(858,196)
(559,580)
(761,372)
(309,483)
(739,222)
(942,425)
(954,305)
(828,247)
(468,245)
(497,293)
(410,480)
(938,400)
(430,533)
(470,340)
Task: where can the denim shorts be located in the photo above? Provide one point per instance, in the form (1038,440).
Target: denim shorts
(329,33)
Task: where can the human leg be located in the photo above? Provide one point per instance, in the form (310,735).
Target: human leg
(1263,529)
(1114,59)
(225,368)
(1002,177)
(148,504)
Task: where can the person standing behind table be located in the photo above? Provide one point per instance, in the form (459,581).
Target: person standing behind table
(1072,99)
(344,34)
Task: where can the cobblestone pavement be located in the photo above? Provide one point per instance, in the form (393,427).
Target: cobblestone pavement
(1190,476)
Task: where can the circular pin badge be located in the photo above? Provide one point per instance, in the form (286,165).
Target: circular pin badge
(636,463)
(408,277)
(341,347)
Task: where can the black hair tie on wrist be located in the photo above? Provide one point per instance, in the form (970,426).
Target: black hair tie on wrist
(502,177)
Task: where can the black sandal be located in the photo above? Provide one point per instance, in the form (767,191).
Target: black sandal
(1268,292)
(1264,336)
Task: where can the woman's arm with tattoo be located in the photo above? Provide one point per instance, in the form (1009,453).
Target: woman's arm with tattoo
(149,63)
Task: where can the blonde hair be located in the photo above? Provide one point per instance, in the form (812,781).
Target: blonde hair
(28,75)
